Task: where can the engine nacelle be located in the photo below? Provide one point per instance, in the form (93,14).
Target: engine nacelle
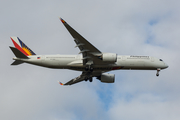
(109,57)
(107,78)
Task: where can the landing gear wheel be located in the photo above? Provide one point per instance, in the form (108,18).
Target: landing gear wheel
(158,70)
(90,79)
(89,68)
(86,68)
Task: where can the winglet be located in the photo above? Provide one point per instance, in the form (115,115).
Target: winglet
(60,83)
(62,20)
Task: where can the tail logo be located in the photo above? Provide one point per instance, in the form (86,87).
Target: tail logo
(22,47)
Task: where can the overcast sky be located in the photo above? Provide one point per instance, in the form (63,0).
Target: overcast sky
(125,27)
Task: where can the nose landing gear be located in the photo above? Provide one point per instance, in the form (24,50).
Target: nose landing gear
(158,70)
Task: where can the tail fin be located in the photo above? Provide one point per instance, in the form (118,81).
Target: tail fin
(21,47)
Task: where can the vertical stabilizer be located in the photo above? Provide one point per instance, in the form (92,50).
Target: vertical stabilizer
(22,47)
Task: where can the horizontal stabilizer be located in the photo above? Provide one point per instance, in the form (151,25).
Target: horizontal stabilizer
(17,62)
(18,53)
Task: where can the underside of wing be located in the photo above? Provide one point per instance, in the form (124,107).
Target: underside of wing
(84,76)
(75,80)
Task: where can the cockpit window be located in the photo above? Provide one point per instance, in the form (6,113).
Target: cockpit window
(160,60)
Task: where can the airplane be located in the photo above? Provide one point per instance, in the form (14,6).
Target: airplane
(90,61)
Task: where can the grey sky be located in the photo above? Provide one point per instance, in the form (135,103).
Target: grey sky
(140,27)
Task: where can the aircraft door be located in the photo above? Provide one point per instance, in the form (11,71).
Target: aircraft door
(123,58)
(152,59)
(42,58)
(78,56)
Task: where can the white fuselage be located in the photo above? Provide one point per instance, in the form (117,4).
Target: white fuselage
(75,62)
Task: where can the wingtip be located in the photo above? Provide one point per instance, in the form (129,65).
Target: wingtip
(62,20)
(60,83)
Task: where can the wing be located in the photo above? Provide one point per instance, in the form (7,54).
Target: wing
(89,52)
(82,77)
(76,80)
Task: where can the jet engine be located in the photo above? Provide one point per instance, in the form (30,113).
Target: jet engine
(109,57)
(106,78)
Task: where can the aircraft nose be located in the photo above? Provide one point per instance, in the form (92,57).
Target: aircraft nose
(165,65)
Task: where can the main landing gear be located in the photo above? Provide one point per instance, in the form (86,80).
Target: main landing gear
(158,70)
(89,70)
(90,79)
